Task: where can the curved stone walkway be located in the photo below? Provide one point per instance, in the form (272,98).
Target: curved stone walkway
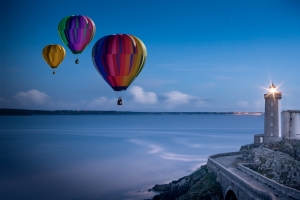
(229,163)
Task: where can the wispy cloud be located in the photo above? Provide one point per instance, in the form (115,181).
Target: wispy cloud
(168,100)
(140,99)
(143,97)
(31,96)
(176,98)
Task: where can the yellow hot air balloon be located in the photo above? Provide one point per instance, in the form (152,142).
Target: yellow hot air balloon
(54,55)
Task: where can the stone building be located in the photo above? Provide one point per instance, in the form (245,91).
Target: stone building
(290,124)
(276,126)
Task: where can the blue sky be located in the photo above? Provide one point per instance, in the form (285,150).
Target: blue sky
(202,55)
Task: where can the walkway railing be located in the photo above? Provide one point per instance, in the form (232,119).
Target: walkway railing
(218,168)
(290,192)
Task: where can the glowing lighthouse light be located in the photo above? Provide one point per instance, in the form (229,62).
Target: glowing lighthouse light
(272,88)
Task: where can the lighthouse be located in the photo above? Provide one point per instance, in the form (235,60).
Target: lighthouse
(272,115)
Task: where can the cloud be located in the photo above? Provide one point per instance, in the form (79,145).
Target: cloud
(143,97)
(176,98)
(31,96)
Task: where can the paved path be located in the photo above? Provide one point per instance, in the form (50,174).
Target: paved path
(227,161)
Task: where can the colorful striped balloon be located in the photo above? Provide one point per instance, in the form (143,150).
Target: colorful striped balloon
(76,32)
(119,59)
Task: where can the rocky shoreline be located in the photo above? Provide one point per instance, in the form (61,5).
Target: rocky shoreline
(279,161)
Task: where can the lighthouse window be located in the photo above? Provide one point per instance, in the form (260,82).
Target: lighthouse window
(271,134)
(271,123)
(271,114)
(271,104)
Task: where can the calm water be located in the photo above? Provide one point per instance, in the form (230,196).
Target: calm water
(110,156)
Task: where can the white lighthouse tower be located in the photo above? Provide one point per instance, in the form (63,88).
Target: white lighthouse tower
(272,115)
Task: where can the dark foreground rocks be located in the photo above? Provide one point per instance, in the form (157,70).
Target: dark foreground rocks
(199,185)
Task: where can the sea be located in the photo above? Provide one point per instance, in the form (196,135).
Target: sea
(111,157)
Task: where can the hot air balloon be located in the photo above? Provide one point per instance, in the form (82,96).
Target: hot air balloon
(54,55)
(76,32)
(119,59)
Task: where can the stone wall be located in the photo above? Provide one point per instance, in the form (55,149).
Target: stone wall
(226,154)
(228,180)
(290,192)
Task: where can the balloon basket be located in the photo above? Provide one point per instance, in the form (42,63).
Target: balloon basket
(120,102)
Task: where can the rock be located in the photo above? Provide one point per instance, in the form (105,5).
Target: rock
(278,161)
(249,146)
(287,146)
(161,188)
(199,185)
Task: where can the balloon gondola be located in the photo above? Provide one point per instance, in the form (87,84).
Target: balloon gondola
(119,59)
(120,101)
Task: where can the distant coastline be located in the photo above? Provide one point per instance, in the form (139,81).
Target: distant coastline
(8,111)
